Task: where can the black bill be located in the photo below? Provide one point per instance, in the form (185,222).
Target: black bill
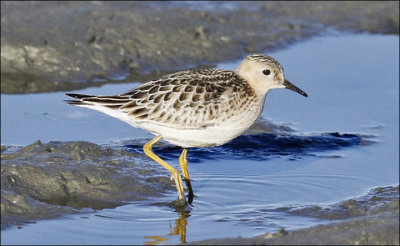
(292,87)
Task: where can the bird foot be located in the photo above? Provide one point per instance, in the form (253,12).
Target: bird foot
(176,176)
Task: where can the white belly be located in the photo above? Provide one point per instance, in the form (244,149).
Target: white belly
(215,135)
(204,137)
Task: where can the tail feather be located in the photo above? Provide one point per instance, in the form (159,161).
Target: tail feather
(110,105)
(107,101)
(79,99)
(73,102)
(78,96)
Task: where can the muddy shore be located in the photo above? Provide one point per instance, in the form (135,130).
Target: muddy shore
(53,46)
(42,181)
(372,219)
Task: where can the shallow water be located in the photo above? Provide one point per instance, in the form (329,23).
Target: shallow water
(346,142)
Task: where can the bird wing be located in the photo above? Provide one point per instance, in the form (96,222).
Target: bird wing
(187,99)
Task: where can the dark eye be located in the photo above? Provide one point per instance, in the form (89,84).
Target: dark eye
(267,72)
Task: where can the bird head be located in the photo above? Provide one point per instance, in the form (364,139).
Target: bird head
(264,73)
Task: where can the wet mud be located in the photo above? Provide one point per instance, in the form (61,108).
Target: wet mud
(43,181)
(372,219)
(59,46)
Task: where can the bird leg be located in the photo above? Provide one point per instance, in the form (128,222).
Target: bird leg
(175,173)
(183,162)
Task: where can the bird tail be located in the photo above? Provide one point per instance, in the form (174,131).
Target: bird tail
(79,99)
(83,100)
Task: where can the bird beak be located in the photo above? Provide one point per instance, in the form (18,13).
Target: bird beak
(292,87)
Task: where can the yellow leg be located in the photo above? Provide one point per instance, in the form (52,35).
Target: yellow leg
(183,162)
(175,173)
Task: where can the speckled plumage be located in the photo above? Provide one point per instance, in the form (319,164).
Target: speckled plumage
(189,99)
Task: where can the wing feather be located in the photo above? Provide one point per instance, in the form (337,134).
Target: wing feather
(187,99)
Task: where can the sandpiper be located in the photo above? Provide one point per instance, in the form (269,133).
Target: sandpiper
(195,108)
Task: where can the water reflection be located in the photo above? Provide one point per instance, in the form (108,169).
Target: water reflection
(180,225)
(157,240)
(260,147)
(178,229)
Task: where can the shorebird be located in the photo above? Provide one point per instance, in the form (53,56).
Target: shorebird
(194,108)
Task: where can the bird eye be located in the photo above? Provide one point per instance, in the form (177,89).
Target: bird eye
(266,72)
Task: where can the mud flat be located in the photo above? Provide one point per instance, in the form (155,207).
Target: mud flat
(53,46)
(42,181)
(369,220)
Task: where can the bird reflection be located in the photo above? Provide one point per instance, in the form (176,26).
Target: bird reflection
(180,225)
(178,229)
(157,240)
